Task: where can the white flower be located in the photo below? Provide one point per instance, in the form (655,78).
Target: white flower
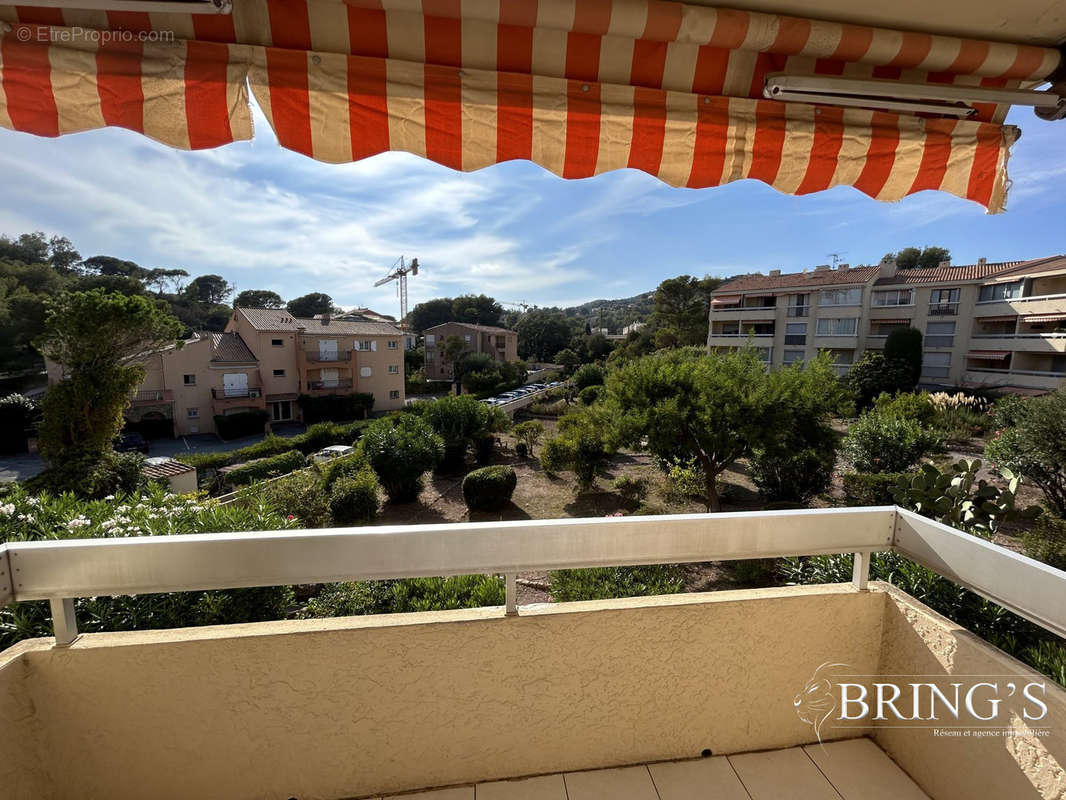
(7,509)
(110,497)
(76,523)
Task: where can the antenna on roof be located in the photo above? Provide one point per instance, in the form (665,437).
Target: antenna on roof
(836,257)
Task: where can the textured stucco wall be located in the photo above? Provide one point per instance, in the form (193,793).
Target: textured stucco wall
(339,708)
(22,762)
(918,641)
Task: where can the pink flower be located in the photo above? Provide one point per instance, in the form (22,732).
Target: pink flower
(292,517)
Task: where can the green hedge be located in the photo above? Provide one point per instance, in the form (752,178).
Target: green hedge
(489,488)
(870,488)
(314,438)
(244,423)
(264,468)
(354,498)
(336,407)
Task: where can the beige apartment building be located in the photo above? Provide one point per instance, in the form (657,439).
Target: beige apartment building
(500,343)
(986,325)
(265,359)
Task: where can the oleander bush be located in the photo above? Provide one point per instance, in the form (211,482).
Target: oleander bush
(301,497)
(489,488)
(43,517)
(353,498)
(401,449)
(344,467)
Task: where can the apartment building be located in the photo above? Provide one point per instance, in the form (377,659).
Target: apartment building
(500,343)
(265,359)
(995,325)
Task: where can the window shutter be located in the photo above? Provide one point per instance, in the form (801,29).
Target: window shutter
(374,345)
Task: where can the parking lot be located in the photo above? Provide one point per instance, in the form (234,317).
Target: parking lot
(521,397)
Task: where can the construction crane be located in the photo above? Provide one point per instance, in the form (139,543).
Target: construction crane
(399,272)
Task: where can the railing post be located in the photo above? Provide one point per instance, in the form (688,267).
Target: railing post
(510,584)
(64,622)
(860,573)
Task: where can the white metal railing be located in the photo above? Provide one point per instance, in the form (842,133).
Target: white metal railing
(1032,299)
(741,335)
(1050,335)
(60,571)
(1040,373)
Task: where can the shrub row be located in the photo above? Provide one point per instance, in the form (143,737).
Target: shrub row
(261,468)
(314,438)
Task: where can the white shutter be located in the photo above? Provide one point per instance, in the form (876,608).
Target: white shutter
(374,345)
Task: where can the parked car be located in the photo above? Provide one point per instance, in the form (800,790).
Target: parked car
(131,442)
(332,452)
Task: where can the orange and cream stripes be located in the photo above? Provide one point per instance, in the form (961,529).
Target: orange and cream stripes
(578,86)
(186,94)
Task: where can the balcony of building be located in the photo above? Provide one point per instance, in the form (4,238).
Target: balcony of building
(230,399)
(151,397)
(329,386)
(744,306)
(1027,370)
(1031,305)
(312,356)
(666,698)
(730,333)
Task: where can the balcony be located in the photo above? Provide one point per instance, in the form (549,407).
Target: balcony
(365,706)
(1022,342)
(243,393)
(1024,306)
(151,397)
(316,357)
(982,377)
(329,387)
(943,309)
(735,339)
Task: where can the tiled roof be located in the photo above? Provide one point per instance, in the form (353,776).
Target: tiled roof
(961,272)
(475,327)
(1049,264)
(230,347)
(165,468)
(794,280)
(273,319)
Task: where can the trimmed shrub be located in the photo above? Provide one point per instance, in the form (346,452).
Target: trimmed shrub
(354,498)
(591,394)
(603,583)
(244,423)
(264,468)
(870,489)
(916,407)
(489,488)
(300,496)
(589,375)
(794,476)
(633,491)
(877,443)
(313,439)
(874,374)
(400,449)
(345,467)
(336,407)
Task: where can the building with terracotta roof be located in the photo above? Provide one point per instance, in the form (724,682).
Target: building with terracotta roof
(500,343)
(998,325)
(265,359)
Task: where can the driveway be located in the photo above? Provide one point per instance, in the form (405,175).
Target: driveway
(25,465)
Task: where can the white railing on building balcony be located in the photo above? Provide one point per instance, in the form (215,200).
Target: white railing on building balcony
(1052,335)
(1035,298)
(1043,373)
(715,335)
(60,571)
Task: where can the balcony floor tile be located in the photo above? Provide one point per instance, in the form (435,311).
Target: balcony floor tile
(705,779)
(853,769)
(544,787)
(625,783)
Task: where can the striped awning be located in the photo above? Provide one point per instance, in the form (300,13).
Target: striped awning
(1044,318)
(580,87)
(726,300)
(1003,318)
(995,354)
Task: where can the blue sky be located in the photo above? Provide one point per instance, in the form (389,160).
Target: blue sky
(266,218)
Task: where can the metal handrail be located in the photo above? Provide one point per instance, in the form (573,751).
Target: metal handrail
(1032,299)
(62,570)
